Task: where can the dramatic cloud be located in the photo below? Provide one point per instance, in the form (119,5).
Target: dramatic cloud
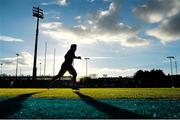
(105,26)
(168,30)
(78,19)
(10,39)
(135,41)
(25,63)
(62,2)
(90,0)
(164,12)
(24,59)
(156,10)
(52,15)
(47,3)
(58,2)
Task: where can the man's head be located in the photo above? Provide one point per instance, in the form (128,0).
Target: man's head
(73,47)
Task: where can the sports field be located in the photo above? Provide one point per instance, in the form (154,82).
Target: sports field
(90,103)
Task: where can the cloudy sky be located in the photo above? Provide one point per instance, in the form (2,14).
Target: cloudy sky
(119,36)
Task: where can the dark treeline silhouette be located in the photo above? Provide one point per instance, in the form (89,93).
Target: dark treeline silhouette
(141,79)
(153,78)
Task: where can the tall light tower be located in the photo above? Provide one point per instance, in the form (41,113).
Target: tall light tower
(38,13)
(20,71)
(170,58)
(1,68)
(17,64)
(45,58)
(86,65)
(40,69)
(176,66)
(54,62)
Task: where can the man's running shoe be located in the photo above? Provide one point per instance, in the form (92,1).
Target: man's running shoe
(75,88)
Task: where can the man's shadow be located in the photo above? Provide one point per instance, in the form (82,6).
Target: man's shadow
(13,105)
(113,112)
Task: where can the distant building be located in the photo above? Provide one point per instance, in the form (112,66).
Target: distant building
(105,75)
(93,76)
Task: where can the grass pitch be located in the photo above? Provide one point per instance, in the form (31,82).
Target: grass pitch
(90,103)
(96,93)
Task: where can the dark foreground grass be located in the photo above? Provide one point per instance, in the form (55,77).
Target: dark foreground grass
(89,103)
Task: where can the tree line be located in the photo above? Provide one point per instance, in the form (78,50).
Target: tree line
(141,79)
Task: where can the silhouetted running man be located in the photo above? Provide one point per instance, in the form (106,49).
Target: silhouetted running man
(67,66)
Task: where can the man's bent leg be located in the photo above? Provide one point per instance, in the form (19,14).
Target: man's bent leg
(52,81)
(60,74)
(72,71)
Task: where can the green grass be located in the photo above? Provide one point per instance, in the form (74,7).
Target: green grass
(104,103)
(97,93)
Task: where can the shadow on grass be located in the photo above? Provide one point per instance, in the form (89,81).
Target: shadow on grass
(112,111)
(13,105)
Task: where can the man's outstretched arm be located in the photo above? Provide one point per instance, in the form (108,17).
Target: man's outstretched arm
(77,57)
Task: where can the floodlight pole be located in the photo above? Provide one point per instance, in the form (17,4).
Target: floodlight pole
(17,65)
(40,69)
(1,68)
(38,13)
(20,71)
(176,66)
(45,58)
(54,62)
(86,65)
(170,58)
